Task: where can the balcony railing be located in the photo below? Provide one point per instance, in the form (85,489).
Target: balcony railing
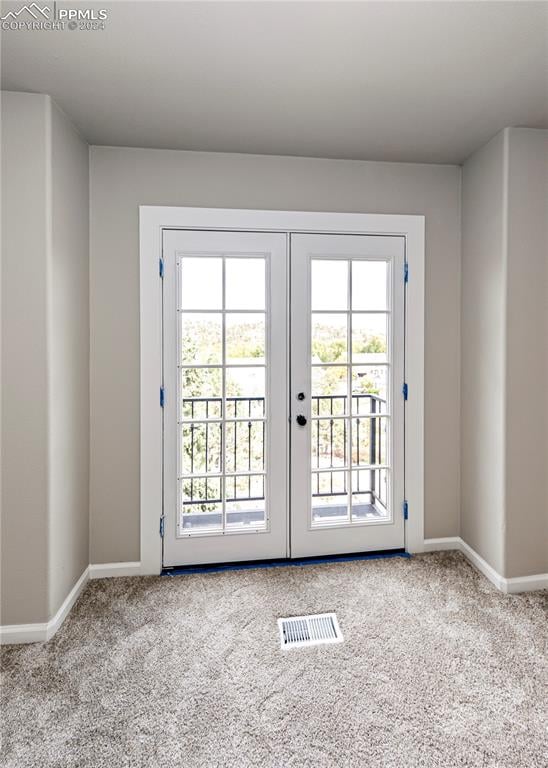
(367,409)
(245,449)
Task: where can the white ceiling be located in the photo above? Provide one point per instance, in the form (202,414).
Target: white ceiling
(402,81)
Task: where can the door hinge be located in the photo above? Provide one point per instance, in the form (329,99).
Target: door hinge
(405,390)
(161,268)
(162,519)
(162,397)
(406,272)
(405,510)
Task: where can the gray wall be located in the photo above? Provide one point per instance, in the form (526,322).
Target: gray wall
(25,246)
(482,352)
(122,179)
(527,353)
(69,360)
(45,358)
(49,333)
(504,380)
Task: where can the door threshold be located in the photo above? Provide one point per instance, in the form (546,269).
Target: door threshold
(183,570)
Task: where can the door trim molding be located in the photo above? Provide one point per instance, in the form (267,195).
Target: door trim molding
(152,221)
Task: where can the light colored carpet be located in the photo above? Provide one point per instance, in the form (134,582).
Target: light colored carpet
(437,669)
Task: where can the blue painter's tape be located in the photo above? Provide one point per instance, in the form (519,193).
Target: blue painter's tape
(187,570)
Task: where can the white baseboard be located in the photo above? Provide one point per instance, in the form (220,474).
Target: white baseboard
(509,586)
(482,566)
(439,545)
(38,633)
(526,583)
(12,634)
(110,570)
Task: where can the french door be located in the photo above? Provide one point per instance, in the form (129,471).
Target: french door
(347,362)
(259,463)
(225,402)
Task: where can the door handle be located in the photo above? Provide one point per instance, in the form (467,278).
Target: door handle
(301,420)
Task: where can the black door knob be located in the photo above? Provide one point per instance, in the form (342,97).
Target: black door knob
(300,396)
(301,420)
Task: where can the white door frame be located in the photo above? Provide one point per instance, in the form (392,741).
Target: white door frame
(152,220)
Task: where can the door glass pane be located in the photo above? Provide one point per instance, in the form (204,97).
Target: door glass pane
(222,394)
(342,388)
(369,388)
(201,490)
(369,285)
(329,442)
(370,494)
(369,338)
(245,505)
(201,338)
(369,441)
(329,390)
(201,448)
(200,283)
(245,283)
(244,446)
(245,338)
(329,498)
(201,392)
(329,338)
(329,284)
(201,517)
(201,500)
(245,384)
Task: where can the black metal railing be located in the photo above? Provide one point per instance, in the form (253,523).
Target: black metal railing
(244,455)
(331,454)
(244,450)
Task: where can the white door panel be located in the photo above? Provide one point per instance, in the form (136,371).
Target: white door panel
(225,407)
(347,367)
